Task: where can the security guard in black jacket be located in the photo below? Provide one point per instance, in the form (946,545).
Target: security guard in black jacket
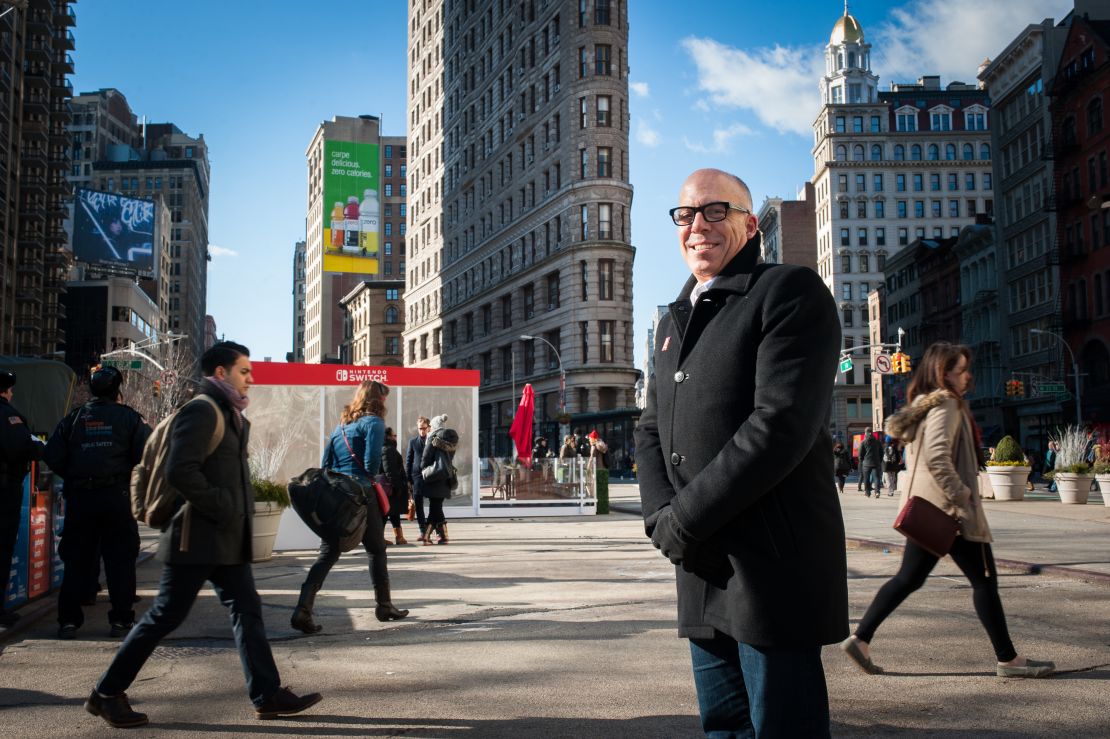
(18,448)
(94,449)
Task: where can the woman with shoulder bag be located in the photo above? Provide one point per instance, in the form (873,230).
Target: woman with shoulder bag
(943,459)
(354,447)
(440,479)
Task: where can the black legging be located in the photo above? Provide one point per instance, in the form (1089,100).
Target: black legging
(435,512)
(976,561)
(373,541)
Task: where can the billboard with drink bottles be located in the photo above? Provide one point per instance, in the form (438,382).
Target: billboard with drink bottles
(351,207)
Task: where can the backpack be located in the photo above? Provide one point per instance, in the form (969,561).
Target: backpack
(890,455)
(152,497)
(332,504)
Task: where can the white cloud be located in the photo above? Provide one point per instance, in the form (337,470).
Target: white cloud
(219,251)
(950,37)
(640,88)
(722,139)
(647,135)
(778,85)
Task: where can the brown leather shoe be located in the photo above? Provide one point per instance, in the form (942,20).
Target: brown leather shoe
(286,703)
(115,710)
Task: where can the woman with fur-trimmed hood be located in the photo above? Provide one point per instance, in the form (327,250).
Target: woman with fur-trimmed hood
(943,460)
(440,479)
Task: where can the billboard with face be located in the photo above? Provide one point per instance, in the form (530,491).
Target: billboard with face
(351,207)
(109,228)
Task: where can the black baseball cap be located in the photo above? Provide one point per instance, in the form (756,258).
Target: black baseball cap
(7,380)
(106,382)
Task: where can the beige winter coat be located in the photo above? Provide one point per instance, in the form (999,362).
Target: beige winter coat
(941,463)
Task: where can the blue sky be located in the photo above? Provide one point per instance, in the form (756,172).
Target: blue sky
(724,84)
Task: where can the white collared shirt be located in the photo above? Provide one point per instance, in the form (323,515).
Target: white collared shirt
(699,290)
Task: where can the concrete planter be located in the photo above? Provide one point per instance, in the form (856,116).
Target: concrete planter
(1073,487)
(1008,482)
(267,516)
(1103,481)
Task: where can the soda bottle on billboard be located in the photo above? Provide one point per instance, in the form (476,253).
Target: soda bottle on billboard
(350,229)
(368,223)
(337,221)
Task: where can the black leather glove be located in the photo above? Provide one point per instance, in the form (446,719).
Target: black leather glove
(670,538)
(710,565)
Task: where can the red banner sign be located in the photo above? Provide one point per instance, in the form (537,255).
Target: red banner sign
(283,373)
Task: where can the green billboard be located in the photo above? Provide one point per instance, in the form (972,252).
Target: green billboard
(351,207)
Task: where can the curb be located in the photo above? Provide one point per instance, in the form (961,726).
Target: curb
(31,613)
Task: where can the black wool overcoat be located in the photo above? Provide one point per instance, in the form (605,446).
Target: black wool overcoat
(735,440)
(215,515)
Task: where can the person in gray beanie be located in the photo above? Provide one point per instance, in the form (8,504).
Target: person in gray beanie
(437,465)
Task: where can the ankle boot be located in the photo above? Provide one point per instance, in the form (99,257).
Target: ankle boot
(398,536)
(442,531)
(427,538)
(385,610)
(302,614)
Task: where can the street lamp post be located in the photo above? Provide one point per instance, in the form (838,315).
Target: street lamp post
(562,373)
(1074,372)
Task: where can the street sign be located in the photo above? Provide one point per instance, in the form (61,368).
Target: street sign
(846,364)
(168,376)
(1050,388)
(122,364)
(881,364)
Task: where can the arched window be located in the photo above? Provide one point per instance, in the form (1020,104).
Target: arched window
(876,153)
(391,315)
(934,152)
(985,152)
(950,152)
(969,152)
(1094,116)
(857,153)
(841,153)
(915,153)
(840,61)
(851,59)
(899,153)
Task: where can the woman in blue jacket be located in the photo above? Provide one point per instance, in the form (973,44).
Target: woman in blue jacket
(354,447)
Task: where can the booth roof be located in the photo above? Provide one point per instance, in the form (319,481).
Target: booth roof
(295,373)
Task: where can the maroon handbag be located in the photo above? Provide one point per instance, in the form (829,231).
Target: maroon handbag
(927,526)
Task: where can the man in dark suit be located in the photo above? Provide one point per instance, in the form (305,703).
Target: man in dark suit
(412,470)
(208,540)
(18,448)
(745,505)
(871,464)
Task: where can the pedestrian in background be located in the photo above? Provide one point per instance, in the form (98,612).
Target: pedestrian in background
(892,462)
(207,540)
(393,467)
(18,449)
(438,467)
(412,469)
(871,463)
(353,449)
(943,457)
(599,452)
(734,457)
(93,450)
(842,465)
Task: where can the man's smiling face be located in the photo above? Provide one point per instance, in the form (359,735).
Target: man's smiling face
(708,246)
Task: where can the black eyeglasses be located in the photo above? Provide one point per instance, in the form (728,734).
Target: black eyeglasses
(684,215)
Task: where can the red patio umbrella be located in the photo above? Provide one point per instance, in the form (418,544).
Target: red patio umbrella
(521,430)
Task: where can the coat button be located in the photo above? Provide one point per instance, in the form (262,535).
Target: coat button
(676,459)
(680,376)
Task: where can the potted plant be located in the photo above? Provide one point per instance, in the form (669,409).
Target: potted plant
(270,499)
(1102,473)
(1007,470)
(1072,474)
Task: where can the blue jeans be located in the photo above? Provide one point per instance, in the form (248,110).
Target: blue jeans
(749,691)
(234,586)
(872,477)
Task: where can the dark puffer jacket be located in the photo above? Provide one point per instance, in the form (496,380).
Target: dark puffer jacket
(441,441)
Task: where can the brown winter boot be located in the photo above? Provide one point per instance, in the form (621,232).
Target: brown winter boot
(398,536)
(442,530)
(385,610)
(302,614)
(428,534)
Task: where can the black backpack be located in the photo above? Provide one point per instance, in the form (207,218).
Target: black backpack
(332,504)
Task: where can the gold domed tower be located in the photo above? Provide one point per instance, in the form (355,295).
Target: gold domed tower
(848,77)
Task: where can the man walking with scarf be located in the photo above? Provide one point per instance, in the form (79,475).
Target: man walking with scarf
(208,539)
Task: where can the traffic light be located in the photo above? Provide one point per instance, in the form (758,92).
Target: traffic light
(157,388)
(1019,389)
(906,364)
(900,363)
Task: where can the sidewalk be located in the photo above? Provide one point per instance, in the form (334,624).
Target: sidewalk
(1037,534)
(564,627)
